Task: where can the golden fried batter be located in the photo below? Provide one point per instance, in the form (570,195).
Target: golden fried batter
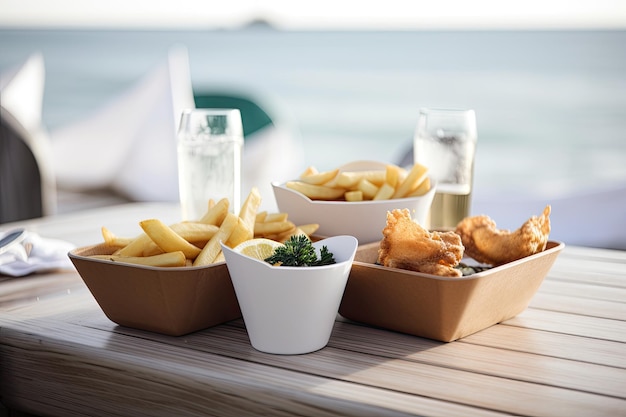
(487,244)
(407,245)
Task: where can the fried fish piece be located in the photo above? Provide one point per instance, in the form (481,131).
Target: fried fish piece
(486,243)
(407,245)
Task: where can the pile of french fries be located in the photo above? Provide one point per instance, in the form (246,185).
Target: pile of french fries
(197,243)
(392,182)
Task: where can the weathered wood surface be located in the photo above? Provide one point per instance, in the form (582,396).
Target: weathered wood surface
(564,355)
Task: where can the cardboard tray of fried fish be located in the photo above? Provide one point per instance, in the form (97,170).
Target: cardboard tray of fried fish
(441,308)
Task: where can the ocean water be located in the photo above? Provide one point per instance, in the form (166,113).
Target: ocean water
(550,105)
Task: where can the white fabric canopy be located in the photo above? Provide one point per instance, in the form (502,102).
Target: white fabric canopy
(129,144)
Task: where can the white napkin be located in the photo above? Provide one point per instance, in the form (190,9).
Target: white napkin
(44,254)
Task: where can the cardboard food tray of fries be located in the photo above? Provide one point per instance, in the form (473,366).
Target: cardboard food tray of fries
(441,308)
(171,301)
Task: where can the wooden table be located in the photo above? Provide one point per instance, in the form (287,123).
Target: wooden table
(59,355)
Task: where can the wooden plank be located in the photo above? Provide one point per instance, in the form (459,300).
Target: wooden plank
(561,345)
(572,324)
(612,278)
(488,360)
(29,289)
(579,306)
(606,255)
(582,267)
(604,267)
(583,290)
(472,357)
(557,345)
(414,376)
(111,374)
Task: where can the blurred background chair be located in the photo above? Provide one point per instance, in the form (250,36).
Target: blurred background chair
(20,177)
(253,117)
(27,185)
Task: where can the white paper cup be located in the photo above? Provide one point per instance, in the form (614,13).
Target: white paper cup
(291,310)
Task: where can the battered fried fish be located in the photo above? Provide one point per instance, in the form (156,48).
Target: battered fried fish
(487,244)
(407,245)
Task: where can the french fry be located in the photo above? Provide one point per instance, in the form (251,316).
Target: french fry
(316,192)
(276,217)
(110,239)
(350,179)
(385,192)
(167,239)
(168,259)
(212,249)
(416,175)
(151,249)
(244,230)
(362,185)
(281,237)
(310,170)
(272,228)
(196,243)
(320,178)
(107,235)
(421,189)
(215,215)
(248,210)
(135,247)
(368,189)
(309,229)
(355,195)
(220,257)
(240,233)
(194,232)
(394,175)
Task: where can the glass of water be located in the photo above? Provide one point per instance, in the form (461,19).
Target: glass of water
(445,142)
(210,144)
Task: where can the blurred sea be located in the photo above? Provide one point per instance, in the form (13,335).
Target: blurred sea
(551,105)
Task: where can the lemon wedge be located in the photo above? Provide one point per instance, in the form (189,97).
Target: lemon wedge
(258,248)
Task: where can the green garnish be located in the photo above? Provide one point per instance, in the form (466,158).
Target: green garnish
(298,251)
(471,269)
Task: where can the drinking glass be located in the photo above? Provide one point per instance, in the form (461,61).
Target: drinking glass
(445,142)
(210,143)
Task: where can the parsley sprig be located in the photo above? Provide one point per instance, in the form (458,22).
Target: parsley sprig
(298,251)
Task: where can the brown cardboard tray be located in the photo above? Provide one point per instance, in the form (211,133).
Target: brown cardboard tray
(441,308)
(171,301)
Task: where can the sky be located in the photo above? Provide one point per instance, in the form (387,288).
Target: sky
(315,14)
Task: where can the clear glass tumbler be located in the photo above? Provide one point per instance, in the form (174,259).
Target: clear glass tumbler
(210,144)
(445,142)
